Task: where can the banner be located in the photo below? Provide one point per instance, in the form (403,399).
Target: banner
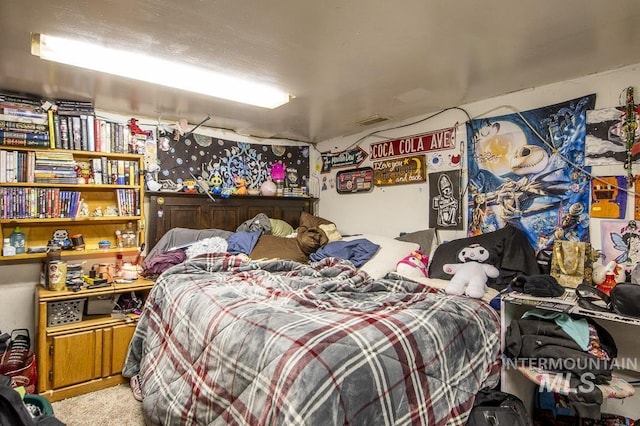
(525,170)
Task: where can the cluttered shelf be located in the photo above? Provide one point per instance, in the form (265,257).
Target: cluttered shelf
(568,303)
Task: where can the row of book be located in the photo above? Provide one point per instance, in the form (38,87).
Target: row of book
(128,202)
(63,124)
(38,203)
(60,167)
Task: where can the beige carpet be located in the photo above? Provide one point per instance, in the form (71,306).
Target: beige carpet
(113,406)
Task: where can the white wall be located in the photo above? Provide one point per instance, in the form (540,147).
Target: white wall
(390,210)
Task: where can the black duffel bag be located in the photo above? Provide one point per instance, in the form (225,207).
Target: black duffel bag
(624,299)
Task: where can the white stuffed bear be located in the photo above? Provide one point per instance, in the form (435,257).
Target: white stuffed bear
(473,272)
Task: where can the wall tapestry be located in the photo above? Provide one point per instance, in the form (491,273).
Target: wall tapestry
(445,210)
(207,157)
(525,170)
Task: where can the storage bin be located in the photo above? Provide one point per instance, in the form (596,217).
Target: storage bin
(41,403)
(64,312)
(100,305)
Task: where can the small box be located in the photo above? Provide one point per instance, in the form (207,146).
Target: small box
(64,312)
(100,305)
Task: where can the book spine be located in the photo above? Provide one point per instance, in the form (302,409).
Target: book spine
(91,139)
(19,119)
(56,131)
(22,112)
(18,126)
(64,132)
(25,136)
(84,133)
(23,142)
(52,129)
(76,132)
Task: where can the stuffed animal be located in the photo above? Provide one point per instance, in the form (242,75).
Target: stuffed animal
(472,273)
(414,265)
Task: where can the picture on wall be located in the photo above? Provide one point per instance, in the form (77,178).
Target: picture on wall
(621,242)
(526,170)
(605,142)
(445,209)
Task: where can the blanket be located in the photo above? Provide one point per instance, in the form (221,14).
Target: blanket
(226,340)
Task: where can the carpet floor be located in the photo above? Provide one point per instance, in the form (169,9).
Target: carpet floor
(113,406)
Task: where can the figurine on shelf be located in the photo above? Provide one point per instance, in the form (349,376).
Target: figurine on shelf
(83,171)
(241,185)
(61,238)
(98,212)
(216,184)
(83,211)
(111,211)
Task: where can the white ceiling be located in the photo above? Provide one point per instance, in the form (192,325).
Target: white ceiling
(344,60)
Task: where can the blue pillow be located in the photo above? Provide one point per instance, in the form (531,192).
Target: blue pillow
(357,251)
(242,242)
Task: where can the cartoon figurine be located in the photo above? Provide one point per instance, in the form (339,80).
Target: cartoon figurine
(136,130)
(215,184)
(473,272)
(61,237)
(241,185)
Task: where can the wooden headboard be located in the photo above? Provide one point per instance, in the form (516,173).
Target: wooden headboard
(169,210)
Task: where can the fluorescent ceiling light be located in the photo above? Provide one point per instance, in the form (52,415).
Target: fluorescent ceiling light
(155,70)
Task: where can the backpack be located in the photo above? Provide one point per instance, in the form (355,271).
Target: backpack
(493,408)
(13,411)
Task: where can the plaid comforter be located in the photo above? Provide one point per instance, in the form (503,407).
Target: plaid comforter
(224,340)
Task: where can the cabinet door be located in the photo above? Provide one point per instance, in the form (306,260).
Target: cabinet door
(116,343)
(76,358)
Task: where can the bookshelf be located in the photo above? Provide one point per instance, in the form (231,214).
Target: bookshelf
(96,211)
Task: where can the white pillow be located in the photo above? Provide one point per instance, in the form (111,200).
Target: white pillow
(387,256)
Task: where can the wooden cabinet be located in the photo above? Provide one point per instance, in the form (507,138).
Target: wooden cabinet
(169,210)
(32,206)
(82,356)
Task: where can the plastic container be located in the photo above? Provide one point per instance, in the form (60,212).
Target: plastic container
(7,248)
(17,240)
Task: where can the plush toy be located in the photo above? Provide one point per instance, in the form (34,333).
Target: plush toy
(473,272)
(413,265)
(61,237)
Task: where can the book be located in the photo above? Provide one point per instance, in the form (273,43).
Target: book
(19,119)
(8,141)
(24,135)
(18,126)
(75,133)
(52,129)
(64,132)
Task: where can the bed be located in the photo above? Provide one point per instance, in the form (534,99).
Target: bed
(227,339)
(224,340)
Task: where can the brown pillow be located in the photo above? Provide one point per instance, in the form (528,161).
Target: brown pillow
(272,247)
(311,239)
(308,220)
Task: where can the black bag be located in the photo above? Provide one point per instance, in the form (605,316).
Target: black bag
(624,299)
(13,411)
(492,407)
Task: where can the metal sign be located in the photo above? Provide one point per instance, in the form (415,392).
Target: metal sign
(435,141)
(400,171)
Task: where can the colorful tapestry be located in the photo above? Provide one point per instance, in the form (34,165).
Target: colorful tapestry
(526,169)
(205,157)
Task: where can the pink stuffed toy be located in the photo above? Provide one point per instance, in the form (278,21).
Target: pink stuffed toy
(413,265)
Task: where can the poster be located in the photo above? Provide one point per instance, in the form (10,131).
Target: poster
(445,210)
(525,170)
(621,242)
(605,141)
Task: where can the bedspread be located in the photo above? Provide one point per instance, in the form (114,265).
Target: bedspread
(225,340)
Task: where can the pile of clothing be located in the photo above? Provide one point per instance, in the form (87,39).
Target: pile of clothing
(575,347)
